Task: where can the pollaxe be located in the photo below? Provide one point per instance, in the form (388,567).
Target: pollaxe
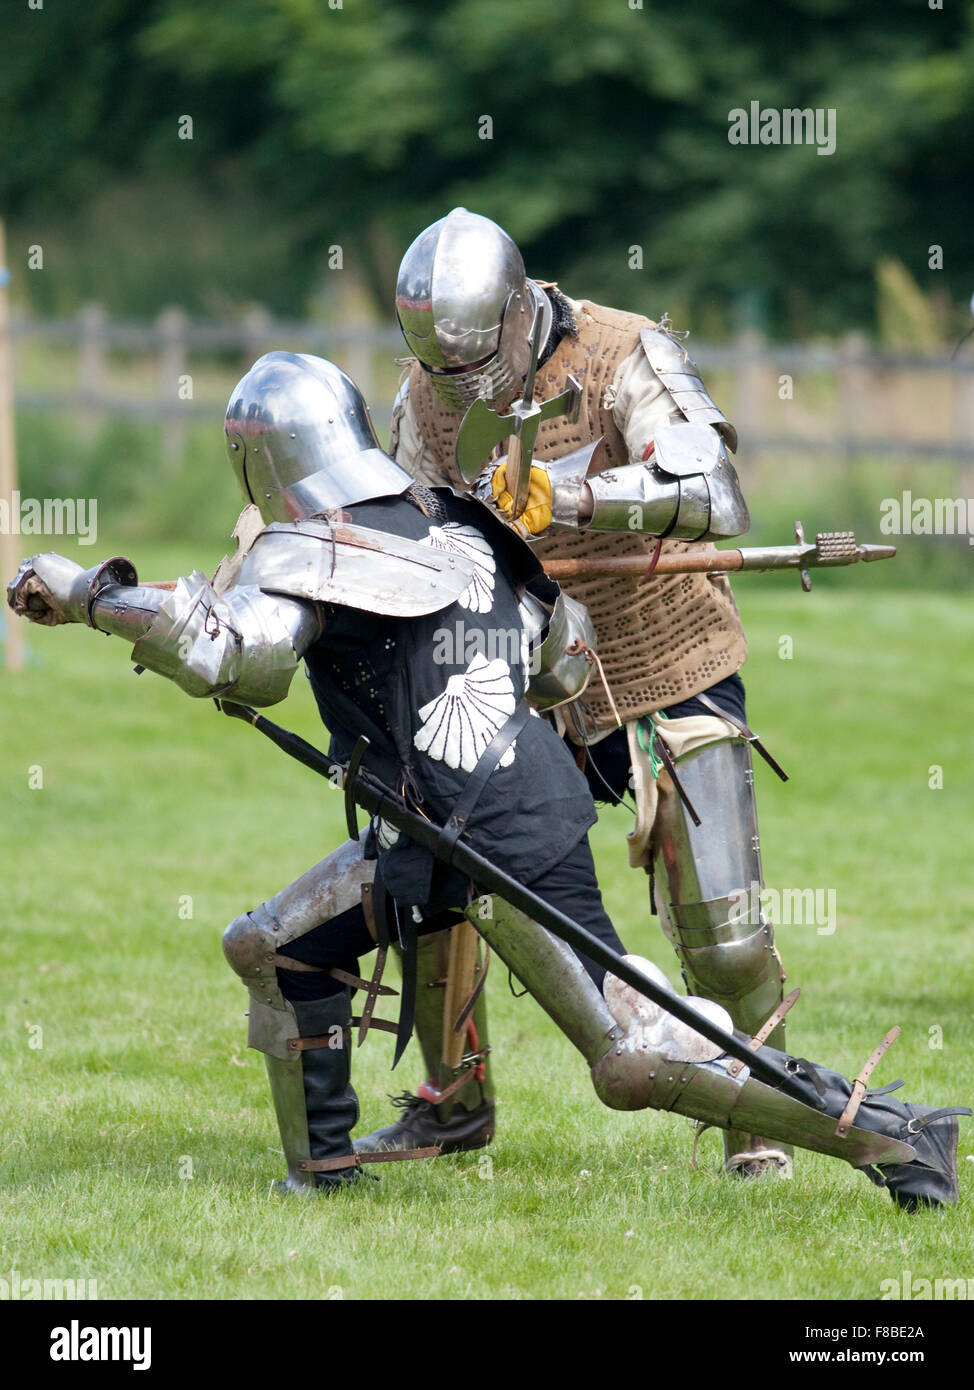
(352,572)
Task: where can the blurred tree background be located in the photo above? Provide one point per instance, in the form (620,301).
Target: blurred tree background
(595,131)
(356,122)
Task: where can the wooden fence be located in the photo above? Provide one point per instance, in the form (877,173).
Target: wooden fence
(843,398)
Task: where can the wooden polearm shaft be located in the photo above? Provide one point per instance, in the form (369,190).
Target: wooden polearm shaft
(9,548)
(770,557)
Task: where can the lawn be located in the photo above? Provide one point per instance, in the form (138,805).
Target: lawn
(136,1131)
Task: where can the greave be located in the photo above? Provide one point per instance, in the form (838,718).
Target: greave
(711,912)
(315,1104)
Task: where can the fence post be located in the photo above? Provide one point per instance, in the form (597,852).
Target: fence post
(355,331)
(171,326)
(963,424)
(749,351)
(852,390)
(256,335)
(91,368)
(9,550)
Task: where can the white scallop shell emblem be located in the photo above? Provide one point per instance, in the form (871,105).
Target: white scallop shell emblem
(468,542)
(386,835)
(458,725)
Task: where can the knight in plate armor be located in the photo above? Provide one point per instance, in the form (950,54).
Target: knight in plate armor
(659,482)
(406,605)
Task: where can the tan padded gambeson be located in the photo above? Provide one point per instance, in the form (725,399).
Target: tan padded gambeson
(659,642)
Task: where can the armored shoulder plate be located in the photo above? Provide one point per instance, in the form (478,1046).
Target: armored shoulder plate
(677,371)
(684,449)
(355,566)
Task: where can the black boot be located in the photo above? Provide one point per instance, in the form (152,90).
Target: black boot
(420,1125)
(929,1179)
(330,1106)
(465,1120)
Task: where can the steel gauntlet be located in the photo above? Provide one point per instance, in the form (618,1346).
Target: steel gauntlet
(51,589)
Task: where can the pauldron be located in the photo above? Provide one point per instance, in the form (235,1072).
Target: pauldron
(355,566)
(678,372)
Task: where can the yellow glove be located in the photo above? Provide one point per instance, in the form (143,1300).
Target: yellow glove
(536,516)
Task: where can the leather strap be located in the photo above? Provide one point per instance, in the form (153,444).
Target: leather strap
(345,977)
(474,995)
(666,758)
(322,1040)
(766,1029)
(921,1121)
(473,787)
(351,815)
(378,896)
(353,1160)
(654,561)
(368,911)
(859,1085)
(801,1066)
(383,1025)
(372,992)
(472,1065)
(356,982)
(745,732)
(408,937)
(699,1129)
(283,962)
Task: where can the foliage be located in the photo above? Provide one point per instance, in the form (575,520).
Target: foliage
(357,125)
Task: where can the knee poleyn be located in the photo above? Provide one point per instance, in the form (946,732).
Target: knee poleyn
(248,947)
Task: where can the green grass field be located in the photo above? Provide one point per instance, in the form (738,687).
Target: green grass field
(137,1138)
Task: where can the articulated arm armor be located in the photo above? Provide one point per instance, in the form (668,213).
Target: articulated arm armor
(688,490)
(244,644)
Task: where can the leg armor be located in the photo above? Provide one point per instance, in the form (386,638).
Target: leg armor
(305,1044)
(640,1056)
(569,885)
(454,1107)
(712,872)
